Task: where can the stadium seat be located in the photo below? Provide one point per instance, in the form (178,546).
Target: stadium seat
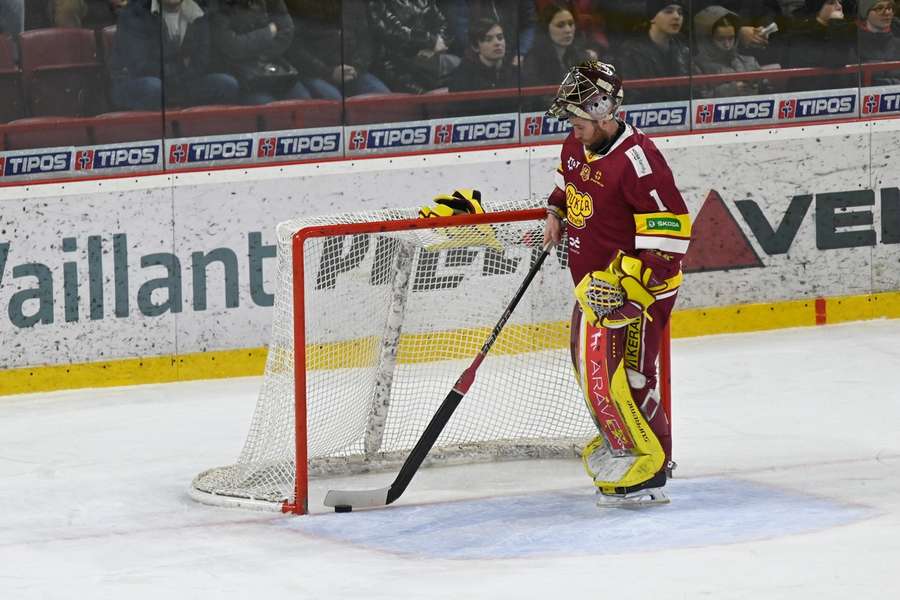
(213,120)
(300,114)
(45,132)
(383,108)
(61,73)
(117,127)
(11,105)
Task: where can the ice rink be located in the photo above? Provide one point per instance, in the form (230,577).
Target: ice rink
(788,487)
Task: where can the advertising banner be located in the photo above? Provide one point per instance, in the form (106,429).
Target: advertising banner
(169,264)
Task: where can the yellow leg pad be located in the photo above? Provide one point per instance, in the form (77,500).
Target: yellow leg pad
(624,468)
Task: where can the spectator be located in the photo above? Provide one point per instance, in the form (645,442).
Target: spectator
(93,14)
(715,29)
(754,16)
(183,29)
(557,47)
(487,67)
(12,19)
(823,38)
(251,38)
(591,24)
(412,45)
(333,60)
(515,16)
(661,52)
(879,37)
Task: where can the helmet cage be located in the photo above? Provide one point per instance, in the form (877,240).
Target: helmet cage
(591,91)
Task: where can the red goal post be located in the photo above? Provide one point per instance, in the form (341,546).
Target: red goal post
(373,314)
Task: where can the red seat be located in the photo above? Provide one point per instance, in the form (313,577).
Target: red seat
(300,114)
(46,132)
(117,127)
(11,105)
(213,120)
(383,108)
(61,72)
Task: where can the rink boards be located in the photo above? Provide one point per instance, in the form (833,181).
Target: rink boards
(171,277)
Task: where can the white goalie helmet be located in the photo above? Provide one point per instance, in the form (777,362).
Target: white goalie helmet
(591,90)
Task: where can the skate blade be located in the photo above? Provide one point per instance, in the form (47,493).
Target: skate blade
(637,500)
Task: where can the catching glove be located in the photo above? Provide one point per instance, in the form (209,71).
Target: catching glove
(460,202)
(635,284)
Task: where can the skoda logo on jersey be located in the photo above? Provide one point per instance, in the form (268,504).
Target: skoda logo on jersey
(647,118)
(483,131)
(298,145)
(880,103)
(415,135)
(33,164)
(750,110)
(111,158)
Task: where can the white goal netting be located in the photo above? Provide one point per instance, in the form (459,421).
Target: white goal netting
(391,320)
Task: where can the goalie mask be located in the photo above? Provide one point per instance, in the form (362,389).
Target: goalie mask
(591,90)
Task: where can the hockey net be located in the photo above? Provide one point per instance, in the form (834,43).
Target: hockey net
(393,309)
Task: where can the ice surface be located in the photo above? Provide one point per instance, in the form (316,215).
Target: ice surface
(788,486)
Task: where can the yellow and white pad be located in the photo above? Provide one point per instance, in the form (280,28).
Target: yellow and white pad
(626,452)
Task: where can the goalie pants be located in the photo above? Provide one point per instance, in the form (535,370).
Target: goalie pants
(642,341)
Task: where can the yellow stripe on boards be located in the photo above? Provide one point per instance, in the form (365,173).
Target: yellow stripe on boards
(885,305)
(134,371)
(456,344)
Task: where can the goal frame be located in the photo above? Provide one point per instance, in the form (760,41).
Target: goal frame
(300,505)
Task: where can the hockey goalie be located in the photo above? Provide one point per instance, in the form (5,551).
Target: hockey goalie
(626,227)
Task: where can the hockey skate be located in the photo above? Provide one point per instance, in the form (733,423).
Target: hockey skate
(645,497)
(645,494)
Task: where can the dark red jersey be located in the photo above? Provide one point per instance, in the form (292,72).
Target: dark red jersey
(625,199)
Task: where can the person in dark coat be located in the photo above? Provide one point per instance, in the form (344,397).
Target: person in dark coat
(517,17)
(826,38)
(251,38)
(661,52)
(412,45)
(487,66)
(163,46)
(557,46)
(879,37)
(332,48)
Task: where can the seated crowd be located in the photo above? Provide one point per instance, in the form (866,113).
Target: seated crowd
(183,53)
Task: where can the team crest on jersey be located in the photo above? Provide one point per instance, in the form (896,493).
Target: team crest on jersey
(579,207)
(585,173)
(597,177)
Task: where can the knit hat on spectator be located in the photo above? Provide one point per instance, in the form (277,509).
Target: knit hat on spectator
(654,6)
(864,6)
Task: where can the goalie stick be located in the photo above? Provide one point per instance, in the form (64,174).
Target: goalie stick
(345,500)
